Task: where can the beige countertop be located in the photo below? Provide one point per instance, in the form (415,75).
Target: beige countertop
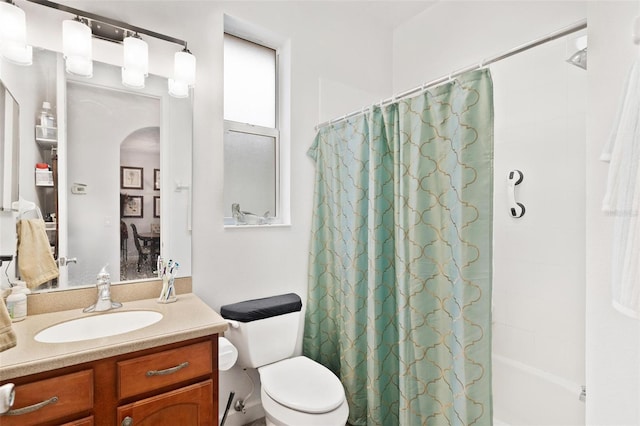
(187,318)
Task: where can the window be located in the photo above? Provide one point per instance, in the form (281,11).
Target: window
(251,136)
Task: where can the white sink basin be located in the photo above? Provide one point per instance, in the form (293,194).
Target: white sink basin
(97,326)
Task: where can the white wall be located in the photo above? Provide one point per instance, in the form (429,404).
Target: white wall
(456,34)
(613,340)
(538,279)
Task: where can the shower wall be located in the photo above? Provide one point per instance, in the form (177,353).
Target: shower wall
(538,285)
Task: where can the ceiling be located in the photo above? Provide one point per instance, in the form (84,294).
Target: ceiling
(392,13)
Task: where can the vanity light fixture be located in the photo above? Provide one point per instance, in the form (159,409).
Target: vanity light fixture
(77,47)
(13,34)
(184,74)
(77,43)
(135,61)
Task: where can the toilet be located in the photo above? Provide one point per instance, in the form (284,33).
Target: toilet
(295,390)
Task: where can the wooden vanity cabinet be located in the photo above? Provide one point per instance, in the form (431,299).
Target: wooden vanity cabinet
(175,384)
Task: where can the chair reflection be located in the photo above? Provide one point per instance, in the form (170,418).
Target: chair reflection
(148,247)
(124,237)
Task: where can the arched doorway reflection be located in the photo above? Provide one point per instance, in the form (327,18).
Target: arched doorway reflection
(139,203)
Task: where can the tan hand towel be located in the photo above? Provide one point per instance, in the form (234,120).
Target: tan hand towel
(35,261)
(7,336)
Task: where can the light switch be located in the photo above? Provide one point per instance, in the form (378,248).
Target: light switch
(79,188)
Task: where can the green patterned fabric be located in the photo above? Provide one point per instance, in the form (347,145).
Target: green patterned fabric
(399,302)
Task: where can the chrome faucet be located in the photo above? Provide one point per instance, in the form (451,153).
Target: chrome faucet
(104,302)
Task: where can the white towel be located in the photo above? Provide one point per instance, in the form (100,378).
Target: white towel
(7,336)
(622,197)
(623,152)
(35,261)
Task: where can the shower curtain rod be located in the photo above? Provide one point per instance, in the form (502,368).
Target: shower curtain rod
(580,25)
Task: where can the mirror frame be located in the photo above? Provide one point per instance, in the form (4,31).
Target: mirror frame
(9,148)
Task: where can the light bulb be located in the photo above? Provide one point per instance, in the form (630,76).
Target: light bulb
(13,35)
(77,48)
(136,62)
(133,78)
(184,67)
(178,88)
(136,54)
(79,66)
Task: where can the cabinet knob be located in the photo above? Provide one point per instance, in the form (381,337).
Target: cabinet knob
(128,421)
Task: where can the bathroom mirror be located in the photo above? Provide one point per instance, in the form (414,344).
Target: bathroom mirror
(119,157)
(9,148)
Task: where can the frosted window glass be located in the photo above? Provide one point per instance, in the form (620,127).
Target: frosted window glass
(249,82)
(249,173)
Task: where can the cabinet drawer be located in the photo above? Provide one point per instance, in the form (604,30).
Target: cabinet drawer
(87,421)
(51,399)
(151,372)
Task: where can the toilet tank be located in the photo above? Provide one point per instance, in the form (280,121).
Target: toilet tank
(267,328)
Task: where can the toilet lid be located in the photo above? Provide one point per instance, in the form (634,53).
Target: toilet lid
(302,384)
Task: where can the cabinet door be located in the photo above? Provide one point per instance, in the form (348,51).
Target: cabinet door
(187,406)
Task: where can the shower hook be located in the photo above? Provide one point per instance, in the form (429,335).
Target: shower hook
(516,209)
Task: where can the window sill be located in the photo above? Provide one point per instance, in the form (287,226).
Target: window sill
(272,225)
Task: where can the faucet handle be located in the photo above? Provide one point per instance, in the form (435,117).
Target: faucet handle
(103,276)
(104,302)
(64,261)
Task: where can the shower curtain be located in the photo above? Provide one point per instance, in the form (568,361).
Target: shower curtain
(399,302)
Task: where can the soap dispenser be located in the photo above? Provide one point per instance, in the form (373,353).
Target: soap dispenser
(17,302)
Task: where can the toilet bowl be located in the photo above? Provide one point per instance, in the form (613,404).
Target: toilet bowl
(296,391)
(279,415)
(299,391)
